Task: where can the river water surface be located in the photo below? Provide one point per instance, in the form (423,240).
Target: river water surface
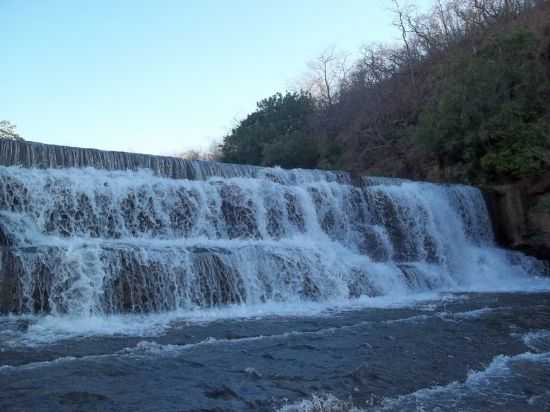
(462,351)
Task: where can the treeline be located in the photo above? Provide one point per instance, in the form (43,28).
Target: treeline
(465,96)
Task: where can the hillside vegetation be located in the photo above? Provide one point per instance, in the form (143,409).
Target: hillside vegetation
(465,97)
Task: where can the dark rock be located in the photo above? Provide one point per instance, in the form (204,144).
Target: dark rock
(224,392)
(521,215)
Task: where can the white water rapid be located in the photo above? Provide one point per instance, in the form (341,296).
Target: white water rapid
(89,241)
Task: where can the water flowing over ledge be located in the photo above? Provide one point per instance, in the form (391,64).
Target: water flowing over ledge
(85,232)
(40,155)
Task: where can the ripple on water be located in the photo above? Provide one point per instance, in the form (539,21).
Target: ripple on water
(517,382)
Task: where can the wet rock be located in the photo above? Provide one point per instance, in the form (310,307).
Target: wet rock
(224,392)
(521,215)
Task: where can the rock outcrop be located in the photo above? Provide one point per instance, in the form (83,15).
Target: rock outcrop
(521,215)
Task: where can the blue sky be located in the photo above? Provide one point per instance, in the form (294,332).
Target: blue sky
(163,76)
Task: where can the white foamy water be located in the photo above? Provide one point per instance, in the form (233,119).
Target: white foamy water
(538,341)
(517,382)
(471,314)
(320,403)
(502,383)
(88,243)
(130,253)
(44,330)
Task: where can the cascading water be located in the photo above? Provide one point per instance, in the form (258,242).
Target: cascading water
(180,234)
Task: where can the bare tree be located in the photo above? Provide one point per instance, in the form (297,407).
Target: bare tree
(212,153)
(327,74)
(191,154)
(402,22)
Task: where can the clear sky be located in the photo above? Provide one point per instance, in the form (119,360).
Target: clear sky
(163,76)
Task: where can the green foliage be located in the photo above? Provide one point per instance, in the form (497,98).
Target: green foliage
(476,100)
(275,134)
(330,155)
(295,149)
(520,148)
(489,110)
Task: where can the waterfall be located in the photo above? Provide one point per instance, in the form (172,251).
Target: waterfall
(39,155)
(85,231)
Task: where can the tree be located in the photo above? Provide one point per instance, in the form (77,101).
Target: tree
(402,22)
(328,73)
(279,125)
(213,153)
(191,155)
(7,131)
(490,112)
(466,87)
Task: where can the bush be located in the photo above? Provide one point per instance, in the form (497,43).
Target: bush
(275,134)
